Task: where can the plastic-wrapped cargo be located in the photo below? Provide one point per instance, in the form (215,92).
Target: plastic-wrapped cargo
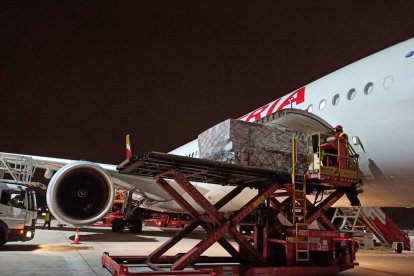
(251,144)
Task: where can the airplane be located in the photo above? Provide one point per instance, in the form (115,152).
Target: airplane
(372,98)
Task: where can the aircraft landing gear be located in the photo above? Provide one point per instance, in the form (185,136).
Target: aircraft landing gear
(118,225)
(135,226)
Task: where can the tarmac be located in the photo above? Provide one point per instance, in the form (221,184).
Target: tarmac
(53,252)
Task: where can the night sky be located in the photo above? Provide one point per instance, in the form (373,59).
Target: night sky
(76,76)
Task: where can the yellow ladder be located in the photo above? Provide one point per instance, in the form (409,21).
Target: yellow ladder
(298,188)
(302,242)
(298,198)
(299,208)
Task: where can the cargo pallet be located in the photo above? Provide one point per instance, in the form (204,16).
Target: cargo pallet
(295,250)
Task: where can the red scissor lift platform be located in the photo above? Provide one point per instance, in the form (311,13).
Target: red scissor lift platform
(297,250)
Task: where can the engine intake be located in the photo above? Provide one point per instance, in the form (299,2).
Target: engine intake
(80,193)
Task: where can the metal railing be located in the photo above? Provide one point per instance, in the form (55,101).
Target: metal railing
(341,155)
(16,167)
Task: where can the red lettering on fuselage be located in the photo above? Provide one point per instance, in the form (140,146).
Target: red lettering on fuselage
(297,97)
(272,107)
(257,114)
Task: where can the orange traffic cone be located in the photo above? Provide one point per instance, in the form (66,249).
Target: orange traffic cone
(76,240)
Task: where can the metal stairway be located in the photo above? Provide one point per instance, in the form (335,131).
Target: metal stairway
(375,220)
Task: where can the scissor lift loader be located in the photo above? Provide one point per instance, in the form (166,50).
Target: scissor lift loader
(290,249)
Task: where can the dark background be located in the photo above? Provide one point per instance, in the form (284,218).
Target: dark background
(76,76)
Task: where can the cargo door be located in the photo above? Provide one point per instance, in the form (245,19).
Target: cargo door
(299,120)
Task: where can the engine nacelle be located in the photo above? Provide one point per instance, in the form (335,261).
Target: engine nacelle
(80,193)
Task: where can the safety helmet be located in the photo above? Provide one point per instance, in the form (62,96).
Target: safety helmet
(339,128)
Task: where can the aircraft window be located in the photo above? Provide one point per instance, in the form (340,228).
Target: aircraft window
(388,81)
(351,94)
(369,87)
(322,104)
(310,108)
(335,99)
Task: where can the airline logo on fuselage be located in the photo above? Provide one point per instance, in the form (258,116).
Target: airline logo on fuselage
(293,99)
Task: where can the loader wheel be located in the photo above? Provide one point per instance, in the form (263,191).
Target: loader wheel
(399,248)
(118,225)
(2,237)
(356,246)
(136,226)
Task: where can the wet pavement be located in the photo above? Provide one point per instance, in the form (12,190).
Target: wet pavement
(52,252)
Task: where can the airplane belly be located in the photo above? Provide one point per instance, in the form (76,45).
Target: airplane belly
(384,193)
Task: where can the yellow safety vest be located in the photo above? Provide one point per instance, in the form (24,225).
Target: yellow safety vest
(48,216)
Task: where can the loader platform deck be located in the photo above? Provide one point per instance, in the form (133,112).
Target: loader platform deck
(201,170)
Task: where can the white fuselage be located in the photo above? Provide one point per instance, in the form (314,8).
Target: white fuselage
(373,99)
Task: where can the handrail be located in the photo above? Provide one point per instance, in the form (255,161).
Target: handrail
(350,155)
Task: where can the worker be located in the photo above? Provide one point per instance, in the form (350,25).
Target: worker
(342,146)
(48,219)
(334,150)
(339,132)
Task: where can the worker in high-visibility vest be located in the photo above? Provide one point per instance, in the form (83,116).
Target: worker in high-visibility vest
(342,146)
(48,219)
(339,132)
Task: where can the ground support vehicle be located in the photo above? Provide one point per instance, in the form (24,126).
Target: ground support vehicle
(18,209)
(155,219)
(115,213)
(166,220)
(18,212)
(275,249)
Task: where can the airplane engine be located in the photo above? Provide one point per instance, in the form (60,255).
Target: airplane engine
(80,193)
